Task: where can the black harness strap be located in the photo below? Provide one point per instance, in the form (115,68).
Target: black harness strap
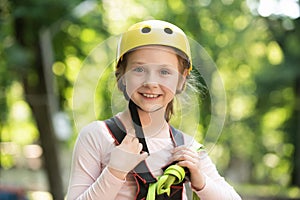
(142,174)
(116,128)
(118,132)
(137,125)
(177,136)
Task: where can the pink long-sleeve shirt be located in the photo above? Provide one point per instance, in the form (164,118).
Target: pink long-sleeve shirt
(90,178)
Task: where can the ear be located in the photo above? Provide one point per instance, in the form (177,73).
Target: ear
(181,81)
(121,84)
(123,81)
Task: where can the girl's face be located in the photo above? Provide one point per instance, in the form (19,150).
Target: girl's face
(152,77)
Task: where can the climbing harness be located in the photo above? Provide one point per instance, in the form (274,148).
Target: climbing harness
(167,186)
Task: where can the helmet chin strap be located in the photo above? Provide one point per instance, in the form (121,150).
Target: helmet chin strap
(133,108)
(137,125)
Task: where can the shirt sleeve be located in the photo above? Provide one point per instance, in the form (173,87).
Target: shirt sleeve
(216,187)
(87,179)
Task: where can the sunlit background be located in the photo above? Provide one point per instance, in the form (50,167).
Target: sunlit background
(254,43)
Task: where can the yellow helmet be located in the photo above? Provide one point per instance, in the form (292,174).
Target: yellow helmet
(154,32)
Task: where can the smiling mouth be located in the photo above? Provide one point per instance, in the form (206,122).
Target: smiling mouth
(150,95)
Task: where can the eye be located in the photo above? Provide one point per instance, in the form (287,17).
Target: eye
(164,72)
(139,69)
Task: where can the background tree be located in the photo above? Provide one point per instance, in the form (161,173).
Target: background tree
(257,57)
(284,30)
(29,58)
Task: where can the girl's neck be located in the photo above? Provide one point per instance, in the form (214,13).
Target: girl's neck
(154,123)
(149,119)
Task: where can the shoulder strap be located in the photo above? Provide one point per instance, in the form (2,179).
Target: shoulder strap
(177,136)
(117,130)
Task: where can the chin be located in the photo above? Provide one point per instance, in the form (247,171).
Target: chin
(152,108)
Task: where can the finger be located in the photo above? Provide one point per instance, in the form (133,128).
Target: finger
(127,139)
(186,152)
(194,148)
(183,149)
(186,157)
(135,141)
(130,140)
(131,131)
(140,147)
(180,148)
(143,156)
(182,157)
(190,165)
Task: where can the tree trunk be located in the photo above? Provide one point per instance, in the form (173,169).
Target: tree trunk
(36,94)
(41,113)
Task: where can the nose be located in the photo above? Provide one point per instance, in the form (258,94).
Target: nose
(151,80)
(150,84)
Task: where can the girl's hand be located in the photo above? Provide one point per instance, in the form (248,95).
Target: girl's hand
(126,157)
(186,157)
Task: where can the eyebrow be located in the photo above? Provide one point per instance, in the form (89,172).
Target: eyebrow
(137,62)
(143,63)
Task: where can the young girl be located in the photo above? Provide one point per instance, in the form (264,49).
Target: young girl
(137,154)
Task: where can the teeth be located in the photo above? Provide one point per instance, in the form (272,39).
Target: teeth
(150,95)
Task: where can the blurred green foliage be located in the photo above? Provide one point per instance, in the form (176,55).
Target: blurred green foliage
(259,70)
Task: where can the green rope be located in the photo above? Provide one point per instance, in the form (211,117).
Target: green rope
(173,175)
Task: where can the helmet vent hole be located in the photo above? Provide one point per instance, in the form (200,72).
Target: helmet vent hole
(146,30)
(168,30)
